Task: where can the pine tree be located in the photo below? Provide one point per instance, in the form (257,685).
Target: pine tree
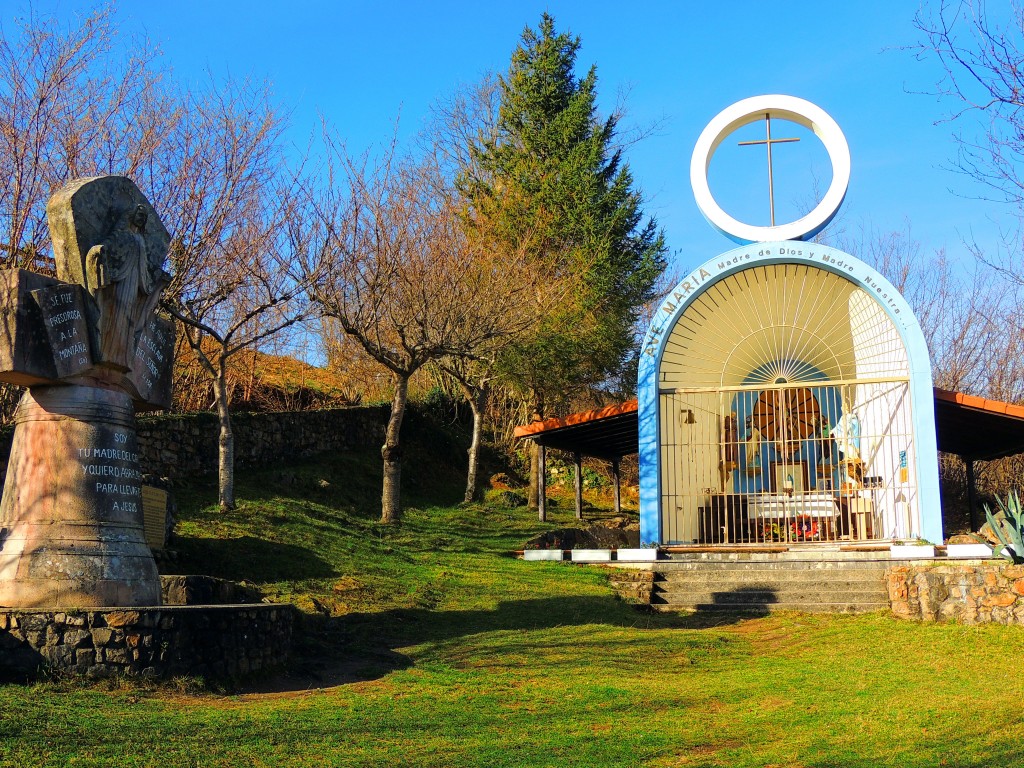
(551,176)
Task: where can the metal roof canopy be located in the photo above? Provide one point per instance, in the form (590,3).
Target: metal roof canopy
(978,429)
(607,433)
(972,427)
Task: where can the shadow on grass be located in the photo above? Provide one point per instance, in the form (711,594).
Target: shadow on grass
(358,647)
(233,559)
(432,473)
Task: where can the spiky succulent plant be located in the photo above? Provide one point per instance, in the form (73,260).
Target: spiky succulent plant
(1011,531)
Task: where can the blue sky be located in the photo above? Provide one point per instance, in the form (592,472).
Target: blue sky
(363,63)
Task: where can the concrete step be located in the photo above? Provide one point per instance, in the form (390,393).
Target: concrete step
(761,585)
(762,608)
(821,580)
(768,595)
(824,590)
(670,566)
(789,555)
(771,577)
(731,581)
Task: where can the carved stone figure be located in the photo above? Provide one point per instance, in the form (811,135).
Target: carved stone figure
(108,239)
(123,285)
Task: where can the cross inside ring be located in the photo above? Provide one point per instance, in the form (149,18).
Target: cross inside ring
(766,108)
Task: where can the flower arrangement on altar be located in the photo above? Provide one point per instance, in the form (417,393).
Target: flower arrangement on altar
(804,528)
(801,528)
(772,532)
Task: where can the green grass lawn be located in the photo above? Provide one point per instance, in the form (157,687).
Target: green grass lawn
(429,645)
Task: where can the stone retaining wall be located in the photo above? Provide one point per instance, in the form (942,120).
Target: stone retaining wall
(970,593)
(183,444)
(213,642)
(186,444)
(205,590)
(632,586)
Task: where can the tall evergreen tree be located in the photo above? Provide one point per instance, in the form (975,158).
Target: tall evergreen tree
(550,176)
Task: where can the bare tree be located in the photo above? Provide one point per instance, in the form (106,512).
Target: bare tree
(229,200)
(399,276)
(963,309)
(68,108)
(980,49)
(210,160)
(474,377)
(983,62)
(463,121)
(457,123)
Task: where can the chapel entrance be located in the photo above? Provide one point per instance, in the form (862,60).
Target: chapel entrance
(785,414)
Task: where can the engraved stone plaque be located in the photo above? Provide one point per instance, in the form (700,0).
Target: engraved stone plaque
(72,504)
(63,310)
(151,368)
(25,357)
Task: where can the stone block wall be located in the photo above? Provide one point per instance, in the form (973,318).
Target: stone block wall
(632,586)
(179,445)
(205,590)
(967,592)
(213,642)
(170,446)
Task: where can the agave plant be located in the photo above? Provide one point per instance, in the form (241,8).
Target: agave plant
(1011,532)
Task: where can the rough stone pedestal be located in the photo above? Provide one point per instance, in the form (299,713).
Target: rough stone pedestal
(71,524)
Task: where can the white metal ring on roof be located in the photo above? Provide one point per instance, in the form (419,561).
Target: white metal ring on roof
(742,113)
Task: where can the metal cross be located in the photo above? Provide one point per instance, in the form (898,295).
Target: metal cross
(768,142)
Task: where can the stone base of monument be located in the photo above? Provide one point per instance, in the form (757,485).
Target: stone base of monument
(92,348)
(79,589)
(72,531)
(215,642)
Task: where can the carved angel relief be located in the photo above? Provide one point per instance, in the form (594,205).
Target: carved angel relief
(109,240)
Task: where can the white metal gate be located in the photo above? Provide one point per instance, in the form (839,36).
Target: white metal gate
(811,461)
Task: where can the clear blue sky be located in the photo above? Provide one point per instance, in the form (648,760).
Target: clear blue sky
(363,63)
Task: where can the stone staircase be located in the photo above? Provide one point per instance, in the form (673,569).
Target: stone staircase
(837,583)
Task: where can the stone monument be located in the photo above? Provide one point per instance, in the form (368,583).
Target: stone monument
(91,349)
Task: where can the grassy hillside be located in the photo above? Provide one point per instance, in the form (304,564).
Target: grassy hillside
(260,381)
(433,647)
